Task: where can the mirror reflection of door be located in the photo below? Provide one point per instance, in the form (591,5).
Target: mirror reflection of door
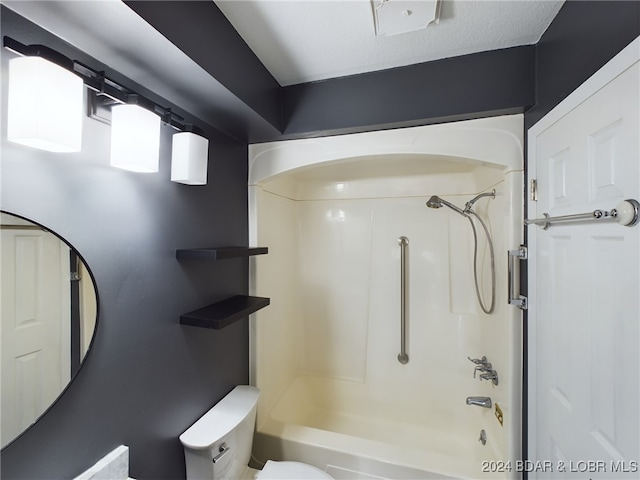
(48,312)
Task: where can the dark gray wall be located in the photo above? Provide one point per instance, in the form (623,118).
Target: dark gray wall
(146,378)
(531,79)
(582,38)
(203,33)
(460,88)
(484,84)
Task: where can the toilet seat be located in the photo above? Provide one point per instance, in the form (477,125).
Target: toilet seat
(290,471)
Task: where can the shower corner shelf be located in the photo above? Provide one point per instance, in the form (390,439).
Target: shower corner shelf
(224,313)
(221,314)
(219,253)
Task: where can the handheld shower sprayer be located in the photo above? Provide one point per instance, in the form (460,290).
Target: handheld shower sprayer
(437,202)
(468,212)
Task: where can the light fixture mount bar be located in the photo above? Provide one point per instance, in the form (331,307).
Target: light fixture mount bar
(107,91)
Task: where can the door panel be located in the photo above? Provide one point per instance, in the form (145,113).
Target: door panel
(584,280)
(35,311)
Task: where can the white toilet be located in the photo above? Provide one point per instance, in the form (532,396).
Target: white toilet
(218,445)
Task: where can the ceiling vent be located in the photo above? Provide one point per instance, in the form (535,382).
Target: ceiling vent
(392,17)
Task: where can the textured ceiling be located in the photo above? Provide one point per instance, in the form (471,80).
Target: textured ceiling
(313,40)
(307,40)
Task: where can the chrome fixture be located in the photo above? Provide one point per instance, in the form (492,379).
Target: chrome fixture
(483,365)
(483,437)
(490,375)
(403,358)
(468,212)
(478,361)
(222,450)
(437,202)
(468,206)
(513,276)
(481,368)
(484,402)
(626,213)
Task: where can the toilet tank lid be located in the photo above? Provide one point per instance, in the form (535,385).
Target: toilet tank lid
(222,418)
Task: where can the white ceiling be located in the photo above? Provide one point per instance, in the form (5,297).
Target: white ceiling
(129,45)
(307,40)
(297,40)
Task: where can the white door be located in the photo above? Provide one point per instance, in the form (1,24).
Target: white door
(35,326)
(584,282)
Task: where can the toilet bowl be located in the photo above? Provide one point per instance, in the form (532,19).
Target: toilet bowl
(218,445)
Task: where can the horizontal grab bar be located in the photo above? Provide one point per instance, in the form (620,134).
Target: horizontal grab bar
(625,213)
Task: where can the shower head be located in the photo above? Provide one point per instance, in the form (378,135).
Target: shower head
(437,202)
(434,202)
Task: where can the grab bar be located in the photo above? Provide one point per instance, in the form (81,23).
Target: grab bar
(403,358)
(518,300)
(625,213)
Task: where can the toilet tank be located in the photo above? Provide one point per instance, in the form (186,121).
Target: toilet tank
(224,433)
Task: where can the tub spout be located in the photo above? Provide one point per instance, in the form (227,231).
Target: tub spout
(479,401)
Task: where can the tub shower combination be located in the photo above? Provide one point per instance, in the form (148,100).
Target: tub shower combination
(388,350)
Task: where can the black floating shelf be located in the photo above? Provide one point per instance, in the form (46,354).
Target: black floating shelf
(221,253)
(224,313)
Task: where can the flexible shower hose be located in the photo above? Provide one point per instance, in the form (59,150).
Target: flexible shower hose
(475,263)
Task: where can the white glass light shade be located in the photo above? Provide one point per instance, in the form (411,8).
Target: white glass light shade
(44,105)
(189,158)
(135,138)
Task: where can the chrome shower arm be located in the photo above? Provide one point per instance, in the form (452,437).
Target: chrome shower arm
(470,203)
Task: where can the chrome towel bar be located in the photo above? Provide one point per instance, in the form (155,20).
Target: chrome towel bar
(625,213)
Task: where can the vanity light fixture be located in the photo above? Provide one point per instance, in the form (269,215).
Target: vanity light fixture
(36,117)
(135,120)
(135,136)
(189,154)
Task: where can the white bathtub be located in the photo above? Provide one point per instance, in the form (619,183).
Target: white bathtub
(324,353)
(336,426)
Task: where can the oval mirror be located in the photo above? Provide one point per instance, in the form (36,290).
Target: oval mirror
(48,314)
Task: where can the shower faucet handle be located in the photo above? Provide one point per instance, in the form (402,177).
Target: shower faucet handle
(482,368)
(479,361)
(490,375)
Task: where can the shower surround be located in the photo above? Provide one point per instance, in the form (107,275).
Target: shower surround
(325,353)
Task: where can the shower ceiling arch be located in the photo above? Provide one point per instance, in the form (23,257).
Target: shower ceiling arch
(493,142)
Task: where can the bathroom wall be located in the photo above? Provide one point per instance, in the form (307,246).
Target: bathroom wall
(581,39)
(485,84)
(147,378)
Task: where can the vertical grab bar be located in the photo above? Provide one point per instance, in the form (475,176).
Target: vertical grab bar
(514,298)
(403,358)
